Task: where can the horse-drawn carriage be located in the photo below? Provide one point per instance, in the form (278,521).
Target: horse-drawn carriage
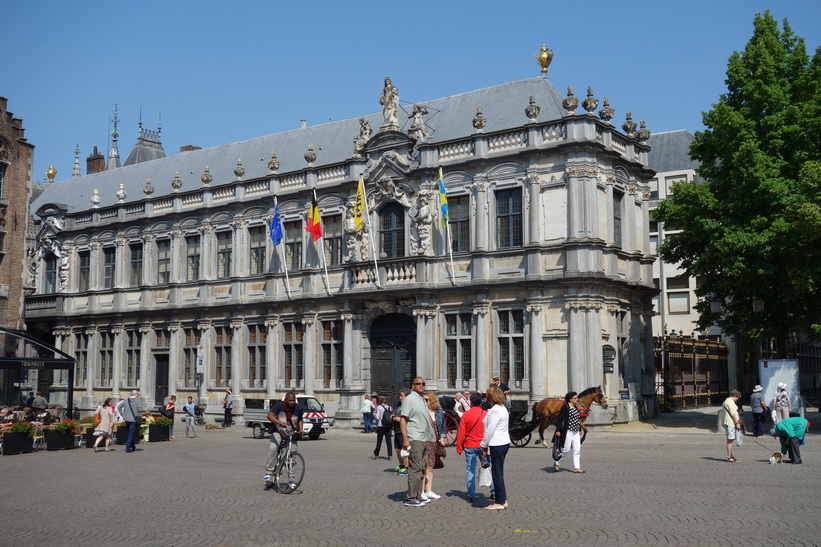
(520,430)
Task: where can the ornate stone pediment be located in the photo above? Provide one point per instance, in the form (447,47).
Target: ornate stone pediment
(391,163)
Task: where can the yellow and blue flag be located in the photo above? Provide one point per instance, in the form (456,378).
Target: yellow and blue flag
(443,200)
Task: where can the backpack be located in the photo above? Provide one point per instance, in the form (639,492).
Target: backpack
(387,417)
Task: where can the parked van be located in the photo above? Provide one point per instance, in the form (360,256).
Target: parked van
(314,420)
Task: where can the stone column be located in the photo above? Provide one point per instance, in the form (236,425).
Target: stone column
(96,265)
(538,365)
(534,208)
(149,260)
(92,358)
(204,326)
(309,353)
(237,349)
(272,354)
(347,350)
(145,360)
(426,345)
(239,259)
(480,213)
(177,255)
(174,355)
(208,262)
(121,265)
(117,353)
(483,344)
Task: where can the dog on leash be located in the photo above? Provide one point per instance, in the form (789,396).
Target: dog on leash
(776,458)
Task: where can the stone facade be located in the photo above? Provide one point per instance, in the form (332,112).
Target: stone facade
(163,275)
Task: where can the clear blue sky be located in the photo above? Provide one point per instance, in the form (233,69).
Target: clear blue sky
(221,72)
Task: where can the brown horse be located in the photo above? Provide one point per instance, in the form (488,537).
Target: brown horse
(546,410)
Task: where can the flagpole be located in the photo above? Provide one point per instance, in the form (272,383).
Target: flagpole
(444,215)
(370,233)
(322,246)
(282,259)
(450,250)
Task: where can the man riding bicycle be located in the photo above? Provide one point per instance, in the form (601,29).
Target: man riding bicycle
(287,416)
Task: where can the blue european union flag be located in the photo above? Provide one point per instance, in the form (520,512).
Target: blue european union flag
(276,226)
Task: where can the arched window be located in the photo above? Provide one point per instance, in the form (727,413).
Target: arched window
(392,231)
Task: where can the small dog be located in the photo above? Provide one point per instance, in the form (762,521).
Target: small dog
(776,458)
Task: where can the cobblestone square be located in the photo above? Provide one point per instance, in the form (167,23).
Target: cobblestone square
(665,487)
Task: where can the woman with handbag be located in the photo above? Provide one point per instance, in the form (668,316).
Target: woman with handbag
(496,442)
(170,409)
(468,440)
(104,428)
(568,430)
(434,450)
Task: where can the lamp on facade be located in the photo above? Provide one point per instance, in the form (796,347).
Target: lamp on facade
(716,304)
(758,304)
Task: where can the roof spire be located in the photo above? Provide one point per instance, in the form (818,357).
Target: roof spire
(76,171)
(114,153)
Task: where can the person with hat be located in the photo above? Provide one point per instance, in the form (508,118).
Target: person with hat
(781,403)
(228,406)
(760,410)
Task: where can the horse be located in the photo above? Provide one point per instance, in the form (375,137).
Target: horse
(546,410)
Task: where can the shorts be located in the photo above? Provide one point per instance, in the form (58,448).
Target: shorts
(397,440)
(730,431)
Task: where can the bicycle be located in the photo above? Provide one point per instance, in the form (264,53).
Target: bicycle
(290,467)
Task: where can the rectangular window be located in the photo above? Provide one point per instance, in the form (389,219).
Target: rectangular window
(509,232)
(617,200)
(392,231)
(670,181)
(458,336)
(192,258)
(109,259)
(163,261)
(259,256)
(136,275)
(106,359)
(84,271)
(257,370)
(163,338)
(332,239)
(222,348)
(3,167)
(654,188)
(332,352)
(511,346)
(133,342)
(293,334)
(678,282)
(459,223)
(293,245)
(192,340)
(81,356)
(223,255)
(50,274)
(678,302)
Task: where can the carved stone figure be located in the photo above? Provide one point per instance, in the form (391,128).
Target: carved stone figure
(361,140)
(421,222)
(590,103)
(417,130)
(364,243)
(479,121)
(349,227)
(570,103)
(390,105)
(532,110)
(389,191)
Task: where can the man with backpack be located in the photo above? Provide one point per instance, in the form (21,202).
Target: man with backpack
(384,426)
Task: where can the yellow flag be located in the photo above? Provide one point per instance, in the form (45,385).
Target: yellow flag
(359,207)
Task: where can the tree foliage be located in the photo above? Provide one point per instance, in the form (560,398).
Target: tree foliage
(753,228)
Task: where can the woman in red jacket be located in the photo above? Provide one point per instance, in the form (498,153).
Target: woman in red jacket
(468,439)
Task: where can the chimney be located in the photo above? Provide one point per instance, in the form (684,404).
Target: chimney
(95,163)
(189,148)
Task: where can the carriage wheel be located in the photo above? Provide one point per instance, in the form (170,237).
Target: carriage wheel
(521,442)
(451,427)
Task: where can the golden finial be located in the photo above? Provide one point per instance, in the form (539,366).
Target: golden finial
(545,56)
(51,172)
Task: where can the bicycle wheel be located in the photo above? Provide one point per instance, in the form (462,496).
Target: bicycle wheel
(289,473)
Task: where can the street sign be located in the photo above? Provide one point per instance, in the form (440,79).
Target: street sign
(608,353)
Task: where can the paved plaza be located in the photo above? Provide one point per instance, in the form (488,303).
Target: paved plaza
(662,485)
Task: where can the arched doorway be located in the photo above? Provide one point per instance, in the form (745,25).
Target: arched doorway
(393,354)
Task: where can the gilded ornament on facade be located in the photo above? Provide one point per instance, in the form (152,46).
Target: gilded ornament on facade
(51,172)
(545,57)
(629,125)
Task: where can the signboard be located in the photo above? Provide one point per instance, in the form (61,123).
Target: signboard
(773,371)
(200,359)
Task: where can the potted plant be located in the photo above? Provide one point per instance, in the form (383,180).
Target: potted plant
(18,439)
(159,430)
(61,436)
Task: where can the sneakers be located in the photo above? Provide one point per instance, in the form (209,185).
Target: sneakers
(423,497)
(401,470)
(415,503)
(374,457)
(432,495)
(266,478)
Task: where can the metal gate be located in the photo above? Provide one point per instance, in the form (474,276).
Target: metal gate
(690,372)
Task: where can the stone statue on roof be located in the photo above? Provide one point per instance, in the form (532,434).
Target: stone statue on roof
(361,140)
(417,130)
(390,105)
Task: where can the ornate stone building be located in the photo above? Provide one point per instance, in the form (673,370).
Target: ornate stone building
(163,274)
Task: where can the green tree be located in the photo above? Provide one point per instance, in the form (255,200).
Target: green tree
(752,229)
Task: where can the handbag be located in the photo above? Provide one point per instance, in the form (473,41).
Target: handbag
(485,476)
(96,420)
(556,453)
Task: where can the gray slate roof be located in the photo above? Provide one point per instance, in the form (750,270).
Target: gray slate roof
(670,151)
(449,118)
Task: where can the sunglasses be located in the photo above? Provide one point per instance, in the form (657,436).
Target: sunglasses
(419,383)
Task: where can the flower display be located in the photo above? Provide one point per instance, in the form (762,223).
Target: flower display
(67,426)
(26,428)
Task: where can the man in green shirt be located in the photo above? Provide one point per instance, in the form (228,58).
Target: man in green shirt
(416,429)
(791,433)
